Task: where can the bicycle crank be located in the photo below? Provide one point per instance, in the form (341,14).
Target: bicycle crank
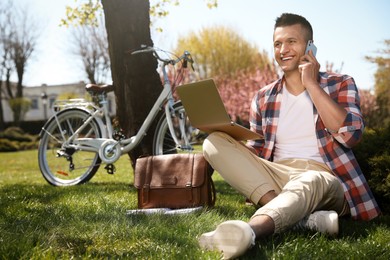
(110,151)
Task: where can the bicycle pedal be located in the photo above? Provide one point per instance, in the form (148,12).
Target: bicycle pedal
(110,168)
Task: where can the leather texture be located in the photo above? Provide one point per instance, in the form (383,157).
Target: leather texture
(174,181)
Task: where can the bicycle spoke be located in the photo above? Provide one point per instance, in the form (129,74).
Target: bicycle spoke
(186,135)
(88,134)
(64,165)
(52,136)
(69,127)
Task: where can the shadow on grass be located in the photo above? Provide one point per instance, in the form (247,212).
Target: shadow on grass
(90,220)
(44,193)
(366,240)
(40,215)
(356,240)
(357,229)
(36,204)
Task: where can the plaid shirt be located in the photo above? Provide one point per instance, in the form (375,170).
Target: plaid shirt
(334,147)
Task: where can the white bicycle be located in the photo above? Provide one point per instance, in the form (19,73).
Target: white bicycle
(79,137)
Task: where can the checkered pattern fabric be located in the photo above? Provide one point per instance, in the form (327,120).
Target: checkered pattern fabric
(335,147)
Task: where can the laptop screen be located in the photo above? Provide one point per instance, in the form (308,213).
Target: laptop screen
(207,112)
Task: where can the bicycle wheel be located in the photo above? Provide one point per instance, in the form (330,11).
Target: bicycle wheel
(61,164)
(163,143)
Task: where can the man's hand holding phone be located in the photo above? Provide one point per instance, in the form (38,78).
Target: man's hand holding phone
(311,47)
(309,66)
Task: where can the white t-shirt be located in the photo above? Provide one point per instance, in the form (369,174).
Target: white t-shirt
(295,135)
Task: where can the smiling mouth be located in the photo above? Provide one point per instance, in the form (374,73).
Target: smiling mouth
(286,58)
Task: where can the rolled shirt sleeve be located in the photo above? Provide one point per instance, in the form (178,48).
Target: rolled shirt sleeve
(350,133)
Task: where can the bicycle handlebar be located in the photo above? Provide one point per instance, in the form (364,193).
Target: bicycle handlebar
(186,57)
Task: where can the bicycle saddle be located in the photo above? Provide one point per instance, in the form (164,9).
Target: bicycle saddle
(95,88)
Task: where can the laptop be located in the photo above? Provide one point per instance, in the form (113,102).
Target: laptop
(206,111)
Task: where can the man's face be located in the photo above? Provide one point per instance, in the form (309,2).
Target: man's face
(289,46)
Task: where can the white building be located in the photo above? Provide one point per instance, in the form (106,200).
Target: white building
(43,97)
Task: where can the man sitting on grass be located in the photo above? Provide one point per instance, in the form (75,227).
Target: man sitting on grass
(303,171)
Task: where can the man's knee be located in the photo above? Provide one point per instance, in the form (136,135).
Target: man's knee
(210,145)
(324,179)
(214,140)
(313,177)
(318,181)
(306,181)
(217,137)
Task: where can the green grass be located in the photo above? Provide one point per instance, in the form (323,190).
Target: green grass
(39,221)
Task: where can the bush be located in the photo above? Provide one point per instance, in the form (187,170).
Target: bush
(15,139)
(8,146)
(24,146)
(374,159)
(16,134)
(380,178)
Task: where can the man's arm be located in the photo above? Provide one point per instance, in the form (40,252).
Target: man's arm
(342,118)
(331,113)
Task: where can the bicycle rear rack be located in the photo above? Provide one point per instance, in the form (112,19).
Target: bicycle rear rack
(60,105)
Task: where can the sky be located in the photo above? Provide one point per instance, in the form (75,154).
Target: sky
(345,31)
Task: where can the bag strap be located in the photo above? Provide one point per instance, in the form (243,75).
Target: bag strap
(191,157)
(213,192)
(148,179)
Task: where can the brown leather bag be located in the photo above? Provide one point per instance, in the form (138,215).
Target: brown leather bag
(174,181)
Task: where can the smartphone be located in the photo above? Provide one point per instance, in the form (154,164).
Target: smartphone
(310,46)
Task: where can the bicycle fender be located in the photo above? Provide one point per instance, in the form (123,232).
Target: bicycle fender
(98,120)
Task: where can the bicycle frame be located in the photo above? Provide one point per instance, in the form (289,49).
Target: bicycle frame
(107,145)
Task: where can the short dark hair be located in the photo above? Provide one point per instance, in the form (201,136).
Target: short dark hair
(287,19)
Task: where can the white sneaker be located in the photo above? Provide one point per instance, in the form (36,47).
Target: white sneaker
(326,222)
(232,237)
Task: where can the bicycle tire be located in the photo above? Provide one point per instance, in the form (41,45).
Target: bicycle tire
(55,160)
(163,142)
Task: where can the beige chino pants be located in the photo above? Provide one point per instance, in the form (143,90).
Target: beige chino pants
(303,186)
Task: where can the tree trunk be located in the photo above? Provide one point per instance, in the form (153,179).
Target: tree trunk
(137,84)
(2,123)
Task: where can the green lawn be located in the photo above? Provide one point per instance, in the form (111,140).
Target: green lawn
(39,221)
